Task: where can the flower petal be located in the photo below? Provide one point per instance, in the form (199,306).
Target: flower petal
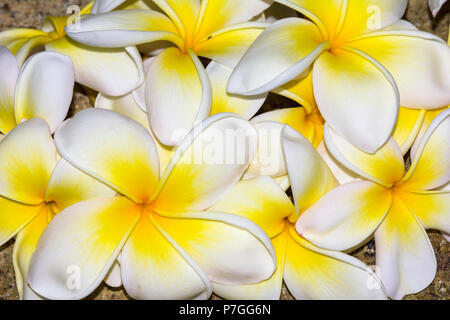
(230,249)
(345,216)
(45,88)
(312,273)
(269,158)
(269,289)
(341,173)
(113,72)
(260,200)
(123,155)
(113,278)
(79,246)
(418,61)
(222,101)
(405,257)
(14,216)
(207,164)
(435,6)
(126,105)
(407,127)
(24,246)
(357,97)
(219,14)
(384,167)
(178,95)
(8,78)
(15,38)
(430,168)
(432,208)
(27,158)
(123,28)
(365,16)
(31,45)
(301,91)
(227,46)
(68,185)
(285,49)
(101,6)
(309,175)
(155,267)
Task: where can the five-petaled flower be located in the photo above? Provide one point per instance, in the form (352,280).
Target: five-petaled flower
(395,205)
(364,61)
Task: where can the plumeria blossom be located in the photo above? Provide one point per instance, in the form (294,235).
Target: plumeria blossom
(308,271)
(395,206)
(171,245)
(111,71)
(42,88)
(34,187)
(360,54)
(178,88)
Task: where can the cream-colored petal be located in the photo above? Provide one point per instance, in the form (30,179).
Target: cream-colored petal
(45,88)
(207,164)
(8,79)
(405,257)
(346,216)
(407,127)
(385,167)
(79,246)
(113,149)
(27,159)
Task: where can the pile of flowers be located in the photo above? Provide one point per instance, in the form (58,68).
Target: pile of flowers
(175,186)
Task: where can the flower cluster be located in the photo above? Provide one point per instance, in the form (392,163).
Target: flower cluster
(175,186)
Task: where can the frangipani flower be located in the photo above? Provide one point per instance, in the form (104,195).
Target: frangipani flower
(42,88)
(365,63)
(308,271)
(35,186)
(172,246)
(178,89)
(395,205)
(111,71)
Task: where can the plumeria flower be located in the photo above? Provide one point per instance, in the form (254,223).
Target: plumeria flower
(395,206)
(435,6)
(364,60)
(42,88)
(308,271)
(111,71)
(172,246)
(34,187)
(178,89)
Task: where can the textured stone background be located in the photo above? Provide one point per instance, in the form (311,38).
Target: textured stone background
(31,13)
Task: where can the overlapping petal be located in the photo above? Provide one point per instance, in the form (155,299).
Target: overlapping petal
(385,167)
(123,28)
(430,168)
(345,216)
(317,274)
(27,158)
(178,95)
(122,155)
(45,88)
(260,200)
(230,249)
(346,80)
(113,72)
(68,185)
(79,246)
(418,61)
(309,175)
(285,49)
(211,159)
(26,242)
(407,127)
(222,101)
(153,266)
(404,254)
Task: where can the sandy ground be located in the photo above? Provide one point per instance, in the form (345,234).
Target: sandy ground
(31,13)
